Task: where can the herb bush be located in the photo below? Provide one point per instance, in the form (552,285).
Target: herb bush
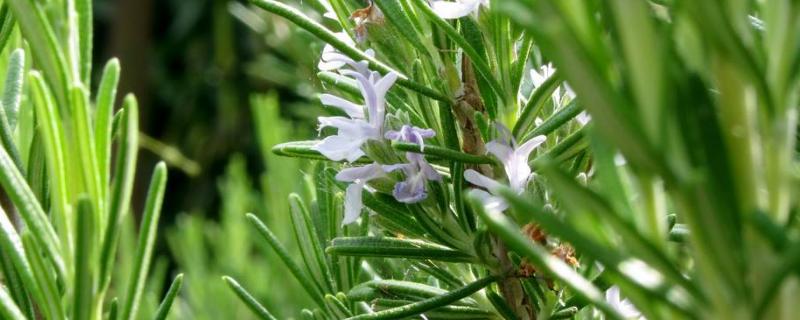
(514,159)
(525,159)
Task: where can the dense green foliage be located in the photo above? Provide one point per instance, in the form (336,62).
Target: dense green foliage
(475,159)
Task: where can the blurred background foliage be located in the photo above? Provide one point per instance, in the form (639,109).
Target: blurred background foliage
(212,107)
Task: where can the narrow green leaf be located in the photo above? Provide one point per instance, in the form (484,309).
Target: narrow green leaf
(302,149)
(301,276)
(248,299)
(106,94)
(337,306)
(83,282)
(12,91)
(533,107)
(13,282)
(556,120)
(7,24)
(788,264)
(30,210)
(11,99)
(52,133)
(8,309)
(576,140)
(122,186)
(84,134)
(439,272)
(501,306)
(11,243)
(47,53)
(298,18)
(442,153)
(113,309)
(388,212)
(310,247)
(169,298)
(44,275)
(397,289)
(429,304)
(445,312)
(566,313)
(147,238)
(84,12)
(395,248)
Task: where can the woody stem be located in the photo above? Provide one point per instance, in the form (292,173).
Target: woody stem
(472,143)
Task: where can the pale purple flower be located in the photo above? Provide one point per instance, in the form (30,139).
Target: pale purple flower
(418,171)
(411,134)
(332,60)
(623,306)
(456,9)
(359,126)
(515,164)
(359,176)
(583,118)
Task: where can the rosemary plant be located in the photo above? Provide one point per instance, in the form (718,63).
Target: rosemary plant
(66,195)
(531,159)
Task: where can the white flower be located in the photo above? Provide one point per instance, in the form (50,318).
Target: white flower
(331,60)
(359,126)
(515,163)
(359,176)
(329,13)
(623,306)
(456,9)
(538,77)
(583,118)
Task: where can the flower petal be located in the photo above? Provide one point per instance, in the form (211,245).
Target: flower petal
(410,191)
(454,10)
(490,202)
(351,109)
(352,203)
(526,148)
(480,180)
(340,147)
(363,173)
(501,151)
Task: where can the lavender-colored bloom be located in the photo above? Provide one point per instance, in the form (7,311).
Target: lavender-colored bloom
(515,160)
(583,118)
(333,60)
(411,134)
(354,131)
(418,170)
(456,9)
(359,176)
(515,164)
(623,306)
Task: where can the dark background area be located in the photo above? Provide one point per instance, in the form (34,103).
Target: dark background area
(192,65)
